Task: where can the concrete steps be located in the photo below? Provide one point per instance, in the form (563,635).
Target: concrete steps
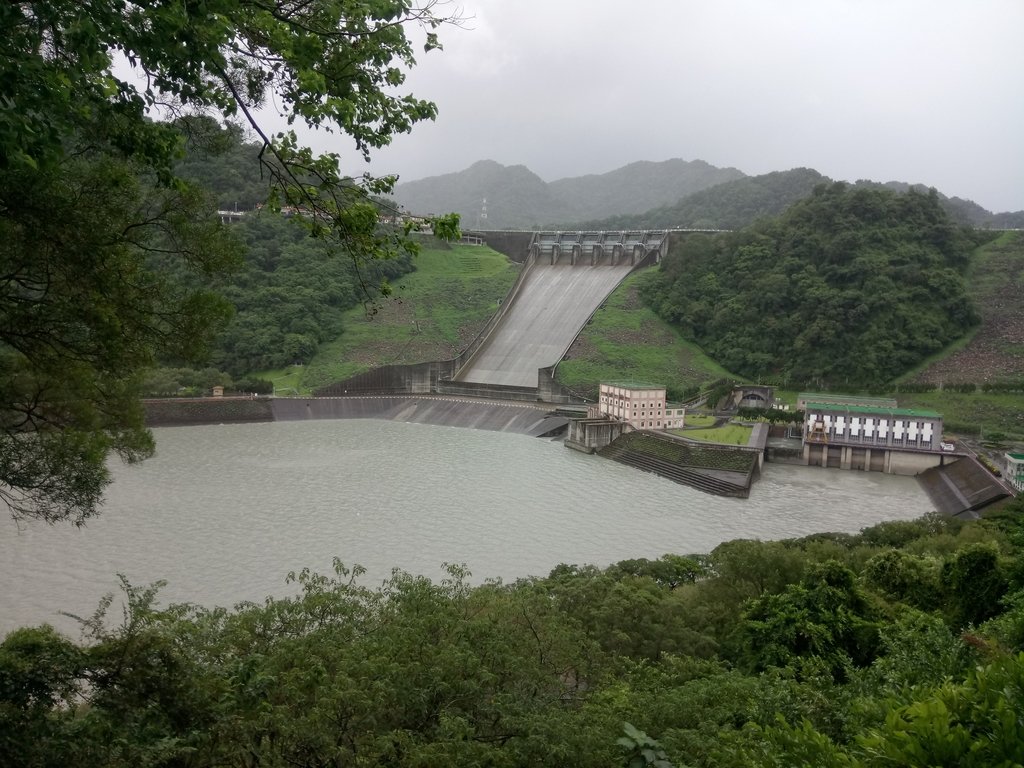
(698,468)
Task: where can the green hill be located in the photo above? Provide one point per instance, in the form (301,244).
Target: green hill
(626,339)
(850,287)
(434,313)
(730,205)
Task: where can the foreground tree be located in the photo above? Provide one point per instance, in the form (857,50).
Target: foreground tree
(88,194)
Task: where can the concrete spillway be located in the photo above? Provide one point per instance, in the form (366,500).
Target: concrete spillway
(552,305)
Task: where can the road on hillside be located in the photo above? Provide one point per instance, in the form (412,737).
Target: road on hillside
(553,304)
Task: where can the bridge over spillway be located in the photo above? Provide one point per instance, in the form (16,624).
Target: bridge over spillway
(566,277)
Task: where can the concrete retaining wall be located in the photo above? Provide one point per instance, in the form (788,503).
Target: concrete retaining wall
(522,418)
(493,391)
(879,459)
(179,411)
(418,378)
(515,245)
(785,455)
(901,463)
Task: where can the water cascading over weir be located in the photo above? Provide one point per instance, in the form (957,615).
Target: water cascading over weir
(566,277)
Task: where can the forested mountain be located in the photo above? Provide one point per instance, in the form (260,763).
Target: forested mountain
(289,292)
(900,645)
(965,212)
(518,198)
(739,203)
(850,287)
(731,205)
(224,162)
(637,187)
(289,289)
(644,195)
(289,295)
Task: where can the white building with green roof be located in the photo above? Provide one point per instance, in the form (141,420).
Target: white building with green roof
(1015,470)
(852,433)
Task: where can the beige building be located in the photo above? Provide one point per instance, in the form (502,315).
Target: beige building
(641,405)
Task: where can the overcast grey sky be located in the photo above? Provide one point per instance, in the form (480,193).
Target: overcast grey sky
(928,91)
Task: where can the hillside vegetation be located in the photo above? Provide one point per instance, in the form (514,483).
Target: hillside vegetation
(741,202)
(625,339)
(850,287)
(433,314)
(731,205)
(304,317)
(903,645)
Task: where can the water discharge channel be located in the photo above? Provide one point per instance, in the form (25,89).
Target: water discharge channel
(553,304)
(224,512)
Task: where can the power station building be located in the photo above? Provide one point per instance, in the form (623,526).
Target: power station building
(1015,470)
(845,433)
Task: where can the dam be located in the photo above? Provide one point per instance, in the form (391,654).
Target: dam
(565,278)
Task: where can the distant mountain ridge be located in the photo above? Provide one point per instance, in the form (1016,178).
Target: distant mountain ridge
(646,195)
(517,197)
(731,205)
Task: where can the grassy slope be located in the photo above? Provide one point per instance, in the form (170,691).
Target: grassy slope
(969,414)
(626,340)
(730,434)
(434,313)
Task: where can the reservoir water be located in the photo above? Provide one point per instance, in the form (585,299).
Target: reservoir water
(224,512)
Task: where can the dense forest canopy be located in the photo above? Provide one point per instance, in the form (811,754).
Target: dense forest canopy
(901,645)
(730,205)
(289,289)
(850,287)
(90,197)
(289,296)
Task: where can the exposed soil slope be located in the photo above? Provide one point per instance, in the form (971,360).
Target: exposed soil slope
(996,350)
